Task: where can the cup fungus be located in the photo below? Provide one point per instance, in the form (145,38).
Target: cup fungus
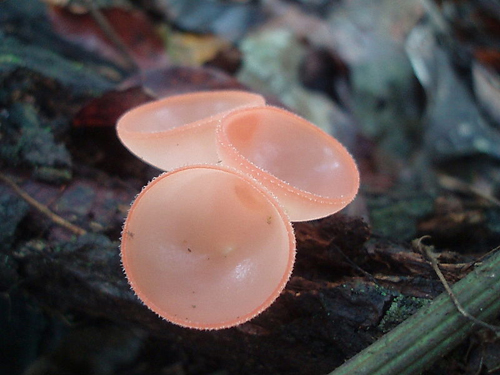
(311,173)
(211,246)
(180,130)
(207,247)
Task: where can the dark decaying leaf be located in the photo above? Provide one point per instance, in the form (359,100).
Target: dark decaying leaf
(106,109)
(143,41)
(28,141)
(153,84)
(181,79)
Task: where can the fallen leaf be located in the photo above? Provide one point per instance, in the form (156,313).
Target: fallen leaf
(106,109)
(179,80)
(136,31)
(194,50)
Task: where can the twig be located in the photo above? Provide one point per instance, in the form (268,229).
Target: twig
(454,184)
(480,367)
(427,251)
(480,259)
(41,208)
(111,34)
(491,371)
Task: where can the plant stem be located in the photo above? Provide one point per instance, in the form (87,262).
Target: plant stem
(434,330)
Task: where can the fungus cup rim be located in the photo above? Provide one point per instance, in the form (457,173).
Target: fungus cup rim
(252,169)
(190,126)
(257,186)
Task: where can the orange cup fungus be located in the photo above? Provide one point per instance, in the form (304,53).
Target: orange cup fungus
(180,130)
(207,247)
(210,246)
(310,172)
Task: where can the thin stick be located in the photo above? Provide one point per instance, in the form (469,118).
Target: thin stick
(429,254)
(454,184)
(41,208)
(111,34)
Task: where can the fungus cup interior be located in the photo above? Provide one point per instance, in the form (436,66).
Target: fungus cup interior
(310,172)
(180,130)
(206,247)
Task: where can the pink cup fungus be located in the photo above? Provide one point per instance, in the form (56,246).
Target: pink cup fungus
(207,247)
(180,130)
(311,173)
(211,246)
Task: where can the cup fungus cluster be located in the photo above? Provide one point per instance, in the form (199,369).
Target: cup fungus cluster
(210,244)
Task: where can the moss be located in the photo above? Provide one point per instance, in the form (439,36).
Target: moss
(51,174)
(15,54)
(384,292)
(401,308)
(34,246)
(408,208)
(10,59)
(26,140)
